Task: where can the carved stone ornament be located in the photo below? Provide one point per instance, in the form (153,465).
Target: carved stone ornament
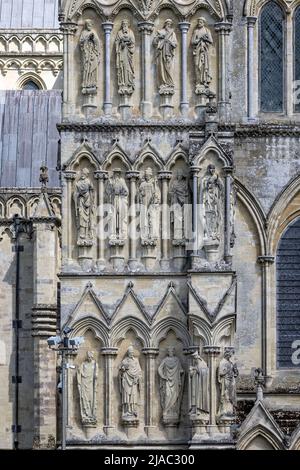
(212,193)
(87,377)
(201,42)
(171,382)
(117,198)
(90,57)
(165,43)
(84,208)
(149,199)
(178,198)
(130,374)
(227,374)
(198,389)
(125,47)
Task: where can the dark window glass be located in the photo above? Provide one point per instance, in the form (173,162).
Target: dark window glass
(288,295)
(271,58)
(297,60)
(30,85)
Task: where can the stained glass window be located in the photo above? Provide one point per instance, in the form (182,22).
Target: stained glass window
(271,58)
(296,87)
(30,85)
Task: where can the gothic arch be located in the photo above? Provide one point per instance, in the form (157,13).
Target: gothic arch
(31,76)
(212,145)
(116,152)
(77,7)
(90,323)
(177,153)
(277,221)
(162,328)
(256,212)
(253,7)
(148,151)
(83,151)
(120,329)
(260,431)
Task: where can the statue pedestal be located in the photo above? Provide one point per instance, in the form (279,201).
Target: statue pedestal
(116,257)
(130,424)
(151,432)
(89,107)
(125,108)
(171,429)
(225,422)
(134,264)
(89,430)
(179,256)
(199,424)
(165,265)
(85,258)
(109,430)
(166,107)
(211,249)
(149,255)
(200,108)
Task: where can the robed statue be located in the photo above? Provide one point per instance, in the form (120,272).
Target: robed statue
(213,193)
(165,43)
(227,374)
(171,380)
(130,374)
(178,194)
(117,198)
(201,42)
(149,199)
(87,377)
(125,47)
(198,388)
(90,57)
(84,208)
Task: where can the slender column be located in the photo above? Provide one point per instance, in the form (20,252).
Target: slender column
(228,180)
(195,175)
(184,103)
(212,353)
(150,373)
(289,66)
(107,105)
(146,29)
(69,177)
(223,30)
(133,177)
(101,176)
(265,262)
(69,30)
(165,177)
(109,355)
(251,21)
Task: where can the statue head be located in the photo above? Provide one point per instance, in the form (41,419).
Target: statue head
(180,174)
(168,24)
(90,356)
(130,352)
(171,351)
(117,172)
(88,25)
(228,353)
(84,173)
(211,169)
(201,22)
(148,173)
(125,26)
(196,355)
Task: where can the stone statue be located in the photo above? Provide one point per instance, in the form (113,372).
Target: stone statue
(165,43)
(232,216)
(125,47)
(87,377)
(117,197)
(90,57)
(198,387)
(149,198)
(84,208)
(178,198)
(201,42)
(130,374)
(212,191)
(171,378)
(227,373)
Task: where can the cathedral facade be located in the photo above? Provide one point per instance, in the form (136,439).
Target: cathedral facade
(150,205)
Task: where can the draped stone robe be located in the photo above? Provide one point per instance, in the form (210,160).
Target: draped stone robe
(171,385)
(165,43)
(125,46)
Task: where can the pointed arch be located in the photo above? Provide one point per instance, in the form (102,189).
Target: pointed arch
(260,431)
(177,153)
(212,145)
(253,7)
(165,325)
(83,151)
(89,323)
(116,152)
(149,151)
(120,329)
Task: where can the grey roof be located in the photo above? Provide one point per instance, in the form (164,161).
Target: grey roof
(29,14)
(28,136)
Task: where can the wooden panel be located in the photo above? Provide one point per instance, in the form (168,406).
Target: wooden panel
(288,294)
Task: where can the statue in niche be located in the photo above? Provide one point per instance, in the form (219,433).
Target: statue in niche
(149,198)
(227,374)
(87,377)
(212,193)
(201,42)
(130,374)
(125,47)
(178,198)
(117,197)
(90,57)
(165,43)
(84,208)
(171,379)
(232,216)
(198,389)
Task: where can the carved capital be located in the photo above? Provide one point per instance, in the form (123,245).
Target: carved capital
(132,175)
(109,351)
(251,21)
(101,175)
(69,28)
(165,175)
(107,27)
(266,259)
(195,170)
(150,352)
(228,170)
(212,350)
(146,27)
(69,175)
(223,28)
(184,26)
